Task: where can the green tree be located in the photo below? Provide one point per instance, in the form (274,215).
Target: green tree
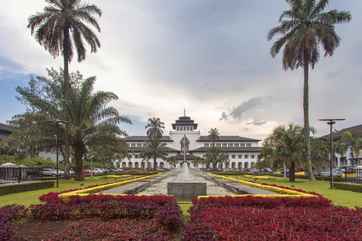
(155,128)
(90,117)
(320,153)
(286,145)
(303,28)
(107,147)
(28,134)
(355,143)
(155,148)
(214,154)
(63,28)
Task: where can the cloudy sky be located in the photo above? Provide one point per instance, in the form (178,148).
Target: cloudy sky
(208,56)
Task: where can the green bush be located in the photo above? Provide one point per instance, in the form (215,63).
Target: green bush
(27,161)
(348,186)
(24,187)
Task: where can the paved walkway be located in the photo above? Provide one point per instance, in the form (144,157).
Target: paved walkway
(185,175)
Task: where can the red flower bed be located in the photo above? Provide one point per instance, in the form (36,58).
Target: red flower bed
(7,216)
(91,217)
(255,219)
(262,202)
(109,207)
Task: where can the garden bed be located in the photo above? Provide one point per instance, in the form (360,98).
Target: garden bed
(95,217)
(288,219)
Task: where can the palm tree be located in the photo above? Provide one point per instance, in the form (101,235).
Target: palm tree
(214,155)
(214,135)
(63,28)
(92,119)
(90,116)
(155,148)
(303,28)
(287,145)
(155,128)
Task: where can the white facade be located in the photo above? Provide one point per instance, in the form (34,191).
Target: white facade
(186,145)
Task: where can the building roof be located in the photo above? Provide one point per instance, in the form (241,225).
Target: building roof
(145,138)
(355,130)
(6,128)
(180,157)
(230,149)
(227,139)
(184,121)
(141,149)
(5,131)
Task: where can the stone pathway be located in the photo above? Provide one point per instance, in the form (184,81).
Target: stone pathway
(185,175)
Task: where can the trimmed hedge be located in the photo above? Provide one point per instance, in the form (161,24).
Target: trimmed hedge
(348,186)
(24,187)
(260,219)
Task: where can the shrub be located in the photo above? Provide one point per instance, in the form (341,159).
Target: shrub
(199,232)
(261,202)
(348,186)
(255,218)
(107,207)
(23,187)
(7,216)
(116,230)
(282,223)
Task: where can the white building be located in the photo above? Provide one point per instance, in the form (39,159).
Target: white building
(186,144)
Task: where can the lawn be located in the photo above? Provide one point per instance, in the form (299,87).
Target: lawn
(31,197)
(338,197)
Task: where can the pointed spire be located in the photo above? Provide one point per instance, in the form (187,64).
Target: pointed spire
(185,112)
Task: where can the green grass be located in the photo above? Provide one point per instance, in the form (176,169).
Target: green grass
(338,197)
(32,197)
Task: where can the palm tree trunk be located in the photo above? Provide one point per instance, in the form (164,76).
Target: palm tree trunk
(308,157)
(284,169)
(154,162)
(78,156)
(66,87)
(292,172)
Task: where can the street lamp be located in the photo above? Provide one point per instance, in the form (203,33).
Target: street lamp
(331,122)
(57,123)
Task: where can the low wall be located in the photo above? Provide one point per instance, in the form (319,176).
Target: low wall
(23,187)
(348,186)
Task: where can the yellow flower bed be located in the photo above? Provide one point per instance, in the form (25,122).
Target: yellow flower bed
(283,191)
(258,177)
(87,191)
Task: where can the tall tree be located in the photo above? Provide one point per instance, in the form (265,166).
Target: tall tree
(63,28)
(214,154)
(304,27)
(155,148)
(155,128)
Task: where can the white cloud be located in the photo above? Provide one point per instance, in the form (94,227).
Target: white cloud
(206,56)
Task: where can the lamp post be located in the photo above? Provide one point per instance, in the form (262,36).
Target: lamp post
(57,158)
(57,123)
(331,122)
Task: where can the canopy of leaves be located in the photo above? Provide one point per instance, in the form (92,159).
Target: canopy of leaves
(66,25)
(303,28)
